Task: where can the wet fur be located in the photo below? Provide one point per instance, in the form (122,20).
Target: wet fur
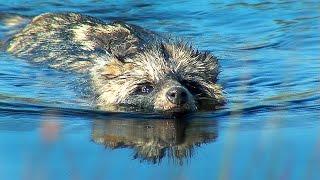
(120,57)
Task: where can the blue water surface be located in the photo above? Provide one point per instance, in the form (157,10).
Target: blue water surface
(269,54)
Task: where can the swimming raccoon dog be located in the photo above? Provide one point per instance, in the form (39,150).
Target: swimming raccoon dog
(129,67)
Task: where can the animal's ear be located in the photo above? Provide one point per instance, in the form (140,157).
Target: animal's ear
(115,68)
(117,38)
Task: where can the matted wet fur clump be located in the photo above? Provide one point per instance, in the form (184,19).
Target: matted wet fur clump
(130,67)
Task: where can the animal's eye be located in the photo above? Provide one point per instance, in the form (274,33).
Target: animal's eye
(193,87)
(144,89)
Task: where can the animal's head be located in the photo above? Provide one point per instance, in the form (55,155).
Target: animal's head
(170,77)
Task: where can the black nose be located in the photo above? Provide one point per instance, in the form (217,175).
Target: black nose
(177,95)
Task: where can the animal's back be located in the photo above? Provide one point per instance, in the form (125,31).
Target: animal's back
(75,41)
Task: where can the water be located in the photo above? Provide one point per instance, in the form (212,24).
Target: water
(269,129)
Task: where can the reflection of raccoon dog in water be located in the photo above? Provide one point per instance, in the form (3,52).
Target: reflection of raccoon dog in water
(129,66)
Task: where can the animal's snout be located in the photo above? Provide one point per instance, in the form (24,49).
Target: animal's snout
(177,95)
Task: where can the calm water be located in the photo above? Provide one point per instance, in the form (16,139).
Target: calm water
(270,128)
